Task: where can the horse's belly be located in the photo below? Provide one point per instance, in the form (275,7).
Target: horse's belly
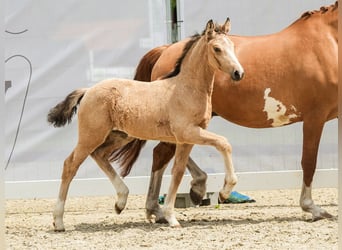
(151,133)
(146,128)
(262,109)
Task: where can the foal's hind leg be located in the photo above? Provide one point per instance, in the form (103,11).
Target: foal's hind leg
(97,131)
(101,155)
(71,165)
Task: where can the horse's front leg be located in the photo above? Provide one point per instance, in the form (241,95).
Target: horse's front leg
(162,154)
(312,131)
(203,137)
(230,179)
(181,158)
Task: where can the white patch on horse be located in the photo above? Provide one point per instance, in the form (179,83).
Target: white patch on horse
(276,110)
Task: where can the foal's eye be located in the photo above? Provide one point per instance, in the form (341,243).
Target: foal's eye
(217,49)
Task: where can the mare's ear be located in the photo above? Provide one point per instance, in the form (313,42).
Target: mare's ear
(209,29)
(226,26)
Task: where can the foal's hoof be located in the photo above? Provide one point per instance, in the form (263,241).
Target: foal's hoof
(222,197)
(58,229)
(176,226)
(195,197)
(118,210)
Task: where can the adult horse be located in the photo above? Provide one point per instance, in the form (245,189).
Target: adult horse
(176,109)
(291,76)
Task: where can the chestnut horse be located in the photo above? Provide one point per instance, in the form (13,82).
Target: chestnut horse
(176,109)
(291,76)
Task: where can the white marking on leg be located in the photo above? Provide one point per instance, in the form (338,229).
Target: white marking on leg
(58,215)
(306,201)
(308,204)
(121,190)
(276,110)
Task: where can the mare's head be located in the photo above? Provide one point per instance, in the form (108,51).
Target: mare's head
(221,54)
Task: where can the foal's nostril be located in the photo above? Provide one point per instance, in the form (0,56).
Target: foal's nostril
(237,75)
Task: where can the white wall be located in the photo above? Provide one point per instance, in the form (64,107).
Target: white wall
(75,45)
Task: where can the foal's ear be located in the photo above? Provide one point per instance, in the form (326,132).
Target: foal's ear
(209,29)
(226,26)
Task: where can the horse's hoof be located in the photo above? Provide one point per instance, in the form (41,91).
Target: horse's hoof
(322,215)
(195,197)
(161,220)
(157,219)
(58,229)
(222,198)
(118,210)
(176,226)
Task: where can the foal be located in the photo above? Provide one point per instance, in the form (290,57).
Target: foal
(176,109)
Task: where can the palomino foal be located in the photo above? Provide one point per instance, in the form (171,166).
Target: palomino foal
(176,109)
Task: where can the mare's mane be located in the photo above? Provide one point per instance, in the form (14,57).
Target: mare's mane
(322,10)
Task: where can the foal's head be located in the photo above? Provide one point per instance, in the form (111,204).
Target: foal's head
(221,53)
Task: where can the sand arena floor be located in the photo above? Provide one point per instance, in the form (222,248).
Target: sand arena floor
(274,221)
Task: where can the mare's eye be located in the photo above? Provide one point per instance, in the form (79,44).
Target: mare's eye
(217,49)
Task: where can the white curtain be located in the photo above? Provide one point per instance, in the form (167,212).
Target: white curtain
(54,47)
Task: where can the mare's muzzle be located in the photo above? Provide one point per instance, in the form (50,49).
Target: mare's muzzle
(237,75)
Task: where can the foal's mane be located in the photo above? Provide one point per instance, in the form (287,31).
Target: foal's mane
(180,59)
(322,10)
(218,29)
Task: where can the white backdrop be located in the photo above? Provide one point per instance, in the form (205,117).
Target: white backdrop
(58,48)
(54,47)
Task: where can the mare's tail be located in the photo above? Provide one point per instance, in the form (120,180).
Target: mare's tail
(128,154)
(63,112)
(147,62)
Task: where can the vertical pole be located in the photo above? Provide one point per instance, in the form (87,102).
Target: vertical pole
(174,15)
(174,21)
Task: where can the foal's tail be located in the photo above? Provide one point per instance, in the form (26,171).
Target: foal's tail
(128,154)
(63,112)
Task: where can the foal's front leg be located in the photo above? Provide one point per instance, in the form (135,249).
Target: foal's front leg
(162,154)
(181,158)
(200,136)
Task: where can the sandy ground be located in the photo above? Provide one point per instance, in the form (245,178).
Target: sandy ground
(275,221)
